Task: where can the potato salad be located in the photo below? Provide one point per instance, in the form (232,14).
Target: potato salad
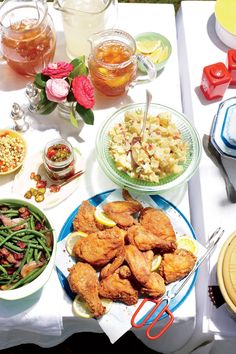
(160,153)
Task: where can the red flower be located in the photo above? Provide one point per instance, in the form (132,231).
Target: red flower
(58,70)
(83,91)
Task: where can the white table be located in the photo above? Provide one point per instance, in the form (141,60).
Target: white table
(199,46)
(166,90)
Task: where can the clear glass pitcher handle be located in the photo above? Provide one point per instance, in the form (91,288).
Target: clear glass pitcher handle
(150,68)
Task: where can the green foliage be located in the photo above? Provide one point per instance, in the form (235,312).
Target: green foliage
(79,67)
(86,114)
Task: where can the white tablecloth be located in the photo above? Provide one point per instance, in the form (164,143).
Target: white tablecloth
(198,47)
(134,18)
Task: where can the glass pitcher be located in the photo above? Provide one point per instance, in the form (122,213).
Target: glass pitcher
(28,39)
(82,18)
(113,63)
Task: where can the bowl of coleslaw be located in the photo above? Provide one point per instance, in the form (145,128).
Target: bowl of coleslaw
(167,156)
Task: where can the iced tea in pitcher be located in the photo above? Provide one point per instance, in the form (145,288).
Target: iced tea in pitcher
(28,38)
(113,63)
(106,69)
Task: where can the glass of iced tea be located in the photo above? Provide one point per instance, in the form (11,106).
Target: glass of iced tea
(113,63)
(28,38)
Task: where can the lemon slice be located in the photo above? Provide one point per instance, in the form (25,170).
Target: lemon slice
(72,239)
(81,309)
(147,46)
(156,262)
(187,243)
(164,55)
(101,217)
(118,81)
(155,56)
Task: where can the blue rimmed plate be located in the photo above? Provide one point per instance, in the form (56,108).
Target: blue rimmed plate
(179,222)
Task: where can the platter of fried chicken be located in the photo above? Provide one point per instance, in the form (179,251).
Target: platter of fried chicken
(115,260)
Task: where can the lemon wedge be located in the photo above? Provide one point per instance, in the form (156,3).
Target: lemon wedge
(118,81)
(81,309)
(72,239)
(164,55)
(156,262)
(101,217)
(147,46)
(155,56)
(187,243)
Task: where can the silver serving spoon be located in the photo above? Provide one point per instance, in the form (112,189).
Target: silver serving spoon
(141,137)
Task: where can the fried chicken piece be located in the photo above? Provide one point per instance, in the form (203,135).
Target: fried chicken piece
(101,247)
(149,258)
(118,289)
(155,286)
(175,266)
(83,280)
(138,263)
(111,267)
(145,240)
(125,272)
(121,211)
(158,223)
(85,220)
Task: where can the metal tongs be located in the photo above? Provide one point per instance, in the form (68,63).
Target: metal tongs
(165,300)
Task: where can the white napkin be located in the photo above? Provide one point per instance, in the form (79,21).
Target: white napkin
(39,313)
(217,320)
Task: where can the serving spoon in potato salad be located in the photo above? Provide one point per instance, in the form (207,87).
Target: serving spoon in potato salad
(143,130)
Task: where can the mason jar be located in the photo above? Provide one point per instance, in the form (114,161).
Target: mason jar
(59,159)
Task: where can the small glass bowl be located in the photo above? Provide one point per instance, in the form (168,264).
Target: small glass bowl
(161,55)
(122,179)
(59,170)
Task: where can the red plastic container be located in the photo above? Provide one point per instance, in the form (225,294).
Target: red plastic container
(232,65)
(215,80)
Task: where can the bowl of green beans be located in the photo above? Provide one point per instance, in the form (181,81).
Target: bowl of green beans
(27,248)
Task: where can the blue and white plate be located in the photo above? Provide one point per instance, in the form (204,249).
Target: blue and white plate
(178,220)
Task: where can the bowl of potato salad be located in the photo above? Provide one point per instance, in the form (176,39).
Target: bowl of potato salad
(165,157)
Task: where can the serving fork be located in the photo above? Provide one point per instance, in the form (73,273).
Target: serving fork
(162,304)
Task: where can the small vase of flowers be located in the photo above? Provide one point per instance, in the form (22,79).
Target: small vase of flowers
(67,86)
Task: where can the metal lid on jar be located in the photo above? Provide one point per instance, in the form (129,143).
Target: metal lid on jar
(223,133)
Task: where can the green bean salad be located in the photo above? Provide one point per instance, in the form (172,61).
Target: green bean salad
(26,243)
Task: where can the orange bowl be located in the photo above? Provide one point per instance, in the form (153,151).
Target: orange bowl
(10,139)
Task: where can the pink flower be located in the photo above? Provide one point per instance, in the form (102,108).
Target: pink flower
(58,70)
(57,90)
(83,91)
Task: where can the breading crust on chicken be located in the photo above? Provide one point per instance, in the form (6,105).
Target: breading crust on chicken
(85,220)
(158,223)
(177,265)
(83,280)
(118,289)
(100,247)
(145,240)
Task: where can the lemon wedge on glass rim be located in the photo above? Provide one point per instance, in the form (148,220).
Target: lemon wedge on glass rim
(80,308)
(187,243)
(72,239)
(103,219)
